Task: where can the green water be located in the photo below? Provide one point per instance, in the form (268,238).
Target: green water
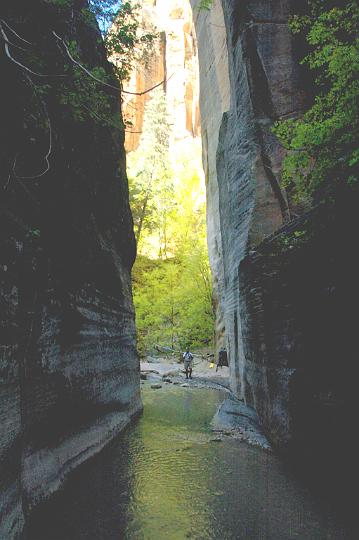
(164,479)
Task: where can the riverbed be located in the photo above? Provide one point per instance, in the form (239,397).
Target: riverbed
(169,477)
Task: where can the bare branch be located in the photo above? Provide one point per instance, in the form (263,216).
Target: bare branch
(46,159)
(148,89)
(145,91)
(9,55)
(48,154)
(13,31)
(7,182)
(99,80)
(81,66)
(12,58)
(13,45)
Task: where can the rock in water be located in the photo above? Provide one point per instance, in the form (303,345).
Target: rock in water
(69,368)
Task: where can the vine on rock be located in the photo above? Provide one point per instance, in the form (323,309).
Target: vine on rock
(322,145)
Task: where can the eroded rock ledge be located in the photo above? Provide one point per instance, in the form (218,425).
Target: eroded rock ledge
(69,371)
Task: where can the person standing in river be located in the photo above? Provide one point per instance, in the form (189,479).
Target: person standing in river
(188,363)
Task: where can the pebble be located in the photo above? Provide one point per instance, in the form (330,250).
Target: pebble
(156,386)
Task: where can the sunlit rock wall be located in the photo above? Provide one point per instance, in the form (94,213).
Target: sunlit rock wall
(249,78)
(214,102)
(69,373)
(194,140)
(174,62)
(264,87)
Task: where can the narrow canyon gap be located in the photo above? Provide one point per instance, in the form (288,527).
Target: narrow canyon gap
(282,306)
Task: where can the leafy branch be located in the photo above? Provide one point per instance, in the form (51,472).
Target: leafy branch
(322,145)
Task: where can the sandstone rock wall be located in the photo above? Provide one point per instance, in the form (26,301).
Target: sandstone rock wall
(174,61)
(299,336)
(214,102)
(245,202)
(249,79)
(69,371)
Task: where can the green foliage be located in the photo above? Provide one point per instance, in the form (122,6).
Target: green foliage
(173,303)
(126,42)
(81,93)
(322,145)
(171,277)
(151,177)
(297,238)
(83,97)
(205,4)
(33,233)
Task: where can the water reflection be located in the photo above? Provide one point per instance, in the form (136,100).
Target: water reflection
(165,480)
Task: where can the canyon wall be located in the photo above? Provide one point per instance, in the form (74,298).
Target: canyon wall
(173,65)
(242,157)
(69,370)
(249,78)
(279,277)
(215,96)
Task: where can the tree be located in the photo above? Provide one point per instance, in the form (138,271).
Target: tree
(150,173)
(126,40)
(171,277)
(322,145)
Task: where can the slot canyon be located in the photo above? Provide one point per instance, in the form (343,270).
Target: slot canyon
(284,271)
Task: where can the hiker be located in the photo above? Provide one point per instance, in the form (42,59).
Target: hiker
(222,358)
(188,363)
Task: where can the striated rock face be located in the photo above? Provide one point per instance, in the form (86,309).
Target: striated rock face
(299,340)
(69,370)
(245,200)
(279,282)
(249,78)
(264,87)
(215,95)
(174,61)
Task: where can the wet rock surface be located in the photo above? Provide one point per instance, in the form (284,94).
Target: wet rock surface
(169,371)
(236,419)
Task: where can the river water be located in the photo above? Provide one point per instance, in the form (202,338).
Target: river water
(166,478)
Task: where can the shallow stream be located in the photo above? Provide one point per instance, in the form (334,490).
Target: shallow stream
(166,478)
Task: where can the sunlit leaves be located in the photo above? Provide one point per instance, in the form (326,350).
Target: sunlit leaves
(171,277)
(322,145)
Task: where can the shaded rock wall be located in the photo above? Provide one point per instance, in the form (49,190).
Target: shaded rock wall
(278,301)
(69,371)
(299,334)
(264,87)
(249,78)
